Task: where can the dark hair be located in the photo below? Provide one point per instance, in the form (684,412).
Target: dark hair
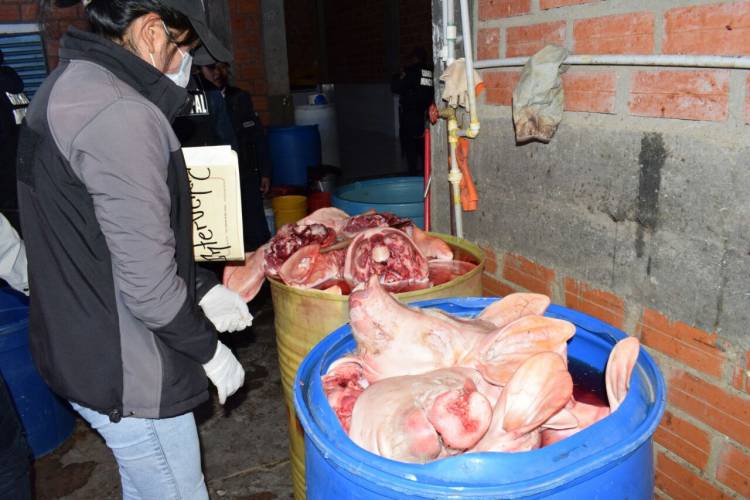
(111,18)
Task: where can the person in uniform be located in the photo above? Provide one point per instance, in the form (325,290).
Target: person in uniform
(238,124)
(122,322)
(414,88)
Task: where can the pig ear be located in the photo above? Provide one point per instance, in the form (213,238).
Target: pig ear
(503,352)
(344,363)
(620,365)
(437,340)
(514,306)
(540,388)
(563,419)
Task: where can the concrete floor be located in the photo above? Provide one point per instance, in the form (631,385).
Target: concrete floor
(244,444)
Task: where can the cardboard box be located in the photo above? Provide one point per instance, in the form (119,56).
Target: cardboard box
(214,176)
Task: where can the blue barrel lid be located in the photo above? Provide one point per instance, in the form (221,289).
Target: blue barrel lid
(403,196)
(503,475)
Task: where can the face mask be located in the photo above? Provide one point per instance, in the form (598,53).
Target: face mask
(182,76)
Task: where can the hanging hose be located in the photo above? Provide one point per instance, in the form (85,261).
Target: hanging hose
(469,197)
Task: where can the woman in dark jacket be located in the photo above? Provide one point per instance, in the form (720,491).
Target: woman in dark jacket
(121,322)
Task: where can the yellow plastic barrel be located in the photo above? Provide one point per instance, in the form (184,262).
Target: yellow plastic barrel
(288,209)
(303,317)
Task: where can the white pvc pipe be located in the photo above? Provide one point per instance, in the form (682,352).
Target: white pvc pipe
(469,60)
(694,61)
(444,53)
(454,177)
(450,31)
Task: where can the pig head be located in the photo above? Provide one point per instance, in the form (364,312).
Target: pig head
(539,389)
(619,369)
(247,278)
(515,306)
(415,418)
(394,339)
(309,268)
(503,352)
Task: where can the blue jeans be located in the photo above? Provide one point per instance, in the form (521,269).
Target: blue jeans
(159,459)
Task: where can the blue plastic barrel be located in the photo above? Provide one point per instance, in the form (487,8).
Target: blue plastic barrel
(611,459)
(403,196)
(47,420)
(292,150)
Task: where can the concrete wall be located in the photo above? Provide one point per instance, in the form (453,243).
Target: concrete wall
(638,211)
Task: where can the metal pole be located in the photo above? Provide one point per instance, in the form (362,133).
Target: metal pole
(689,61)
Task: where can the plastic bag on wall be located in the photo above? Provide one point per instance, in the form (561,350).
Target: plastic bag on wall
(538,98)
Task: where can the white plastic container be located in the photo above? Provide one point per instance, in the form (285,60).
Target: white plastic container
(324,116)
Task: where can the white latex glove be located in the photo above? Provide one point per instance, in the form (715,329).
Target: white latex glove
(456,88)
(226,309)
(225,372)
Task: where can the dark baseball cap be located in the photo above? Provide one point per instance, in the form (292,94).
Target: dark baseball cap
(212,47)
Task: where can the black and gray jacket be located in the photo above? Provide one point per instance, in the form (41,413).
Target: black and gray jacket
(105,210)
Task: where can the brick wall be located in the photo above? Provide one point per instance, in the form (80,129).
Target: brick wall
(510,28)
(703,440)
(248,69)
(415,28)
(703,443)
(55,21)
(301,18)
(356,41)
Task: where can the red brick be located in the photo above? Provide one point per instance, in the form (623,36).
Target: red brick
(685,439)
(692,346)
(499,86)
(722,29)
(603,305)
(734,469)
(680,482)
(490,261)
(589,91)
(687,95)
(492,287)
(551,4)
(493,9)
(528,40)
(741,374)
(9,13)
(488,43)
(712,405)
(621,34)
(30,12)
(531,276)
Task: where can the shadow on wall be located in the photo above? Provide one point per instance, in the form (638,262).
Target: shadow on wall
(368,131)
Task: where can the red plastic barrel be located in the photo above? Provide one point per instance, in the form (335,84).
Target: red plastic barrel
(318,199)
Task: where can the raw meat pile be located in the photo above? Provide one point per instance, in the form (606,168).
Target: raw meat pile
(423,385)
(331,251)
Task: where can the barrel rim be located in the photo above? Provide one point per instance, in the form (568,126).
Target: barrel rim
(584,467)
(404,296)
(341,192)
